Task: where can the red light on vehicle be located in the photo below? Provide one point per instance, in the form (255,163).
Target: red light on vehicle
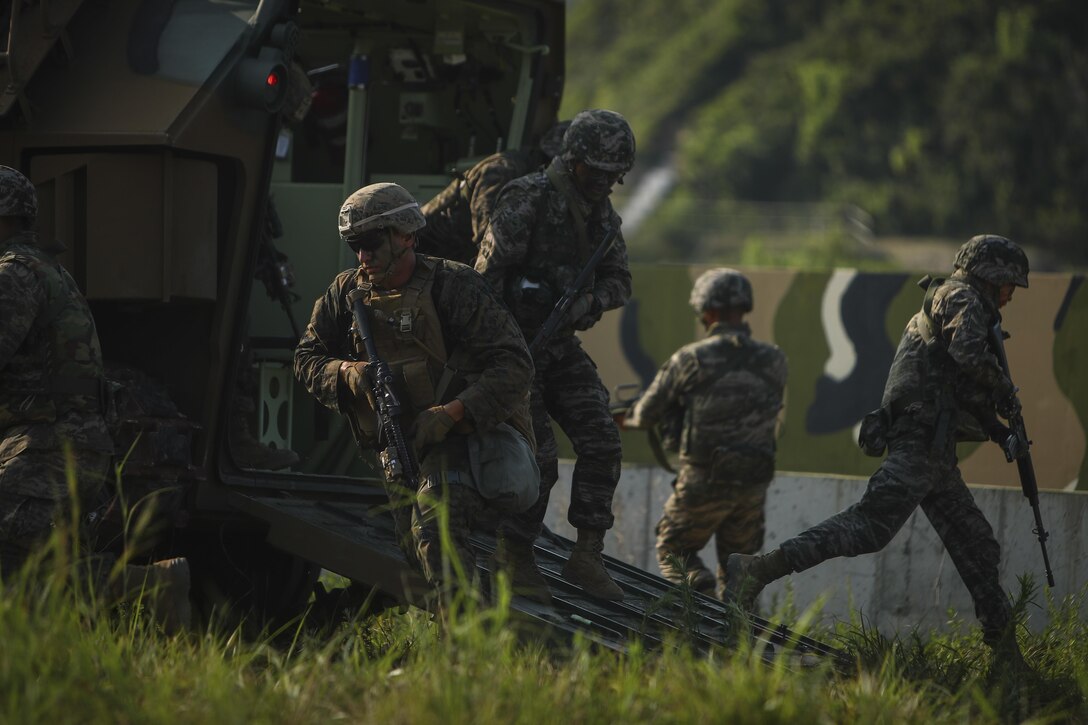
(261,83)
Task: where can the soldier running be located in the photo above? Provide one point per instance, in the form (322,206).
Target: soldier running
(945,385)
(724,395)
(543,231)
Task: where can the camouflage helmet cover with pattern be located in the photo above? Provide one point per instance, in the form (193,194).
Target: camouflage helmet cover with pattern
(601,139)
(551,143)
(380,206)
(721,288)
(17,195)
(994,259)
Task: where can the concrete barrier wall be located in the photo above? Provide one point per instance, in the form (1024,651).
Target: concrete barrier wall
(911,583)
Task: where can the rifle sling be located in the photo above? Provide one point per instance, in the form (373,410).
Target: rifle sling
(562,183)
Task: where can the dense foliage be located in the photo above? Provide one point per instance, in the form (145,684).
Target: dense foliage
(938,118)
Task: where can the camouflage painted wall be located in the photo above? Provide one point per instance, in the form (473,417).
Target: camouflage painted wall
(839,330)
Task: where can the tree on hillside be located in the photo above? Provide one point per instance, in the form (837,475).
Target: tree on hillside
(938,118)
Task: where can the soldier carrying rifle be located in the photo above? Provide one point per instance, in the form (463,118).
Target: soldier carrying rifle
(543,234)
(946,385)
(431,371)
(724,396)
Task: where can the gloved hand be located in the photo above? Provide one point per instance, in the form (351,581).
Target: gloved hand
(430,426)
(1009,406)
(353,375)
(585,311)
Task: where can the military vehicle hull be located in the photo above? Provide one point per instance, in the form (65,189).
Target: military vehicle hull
(156,133)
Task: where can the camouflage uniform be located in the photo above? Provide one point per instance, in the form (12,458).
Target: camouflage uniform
(50,395)
(457,216)
(937,394)
(495,369)
(726,393)
(533,238)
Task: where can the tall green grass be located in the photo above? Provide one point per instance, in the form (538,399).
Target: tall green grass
(64,659)
(67,658)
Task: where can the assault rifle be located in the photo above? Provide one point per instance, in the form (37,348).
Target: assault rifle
(1017,447)
(396,457)
(559,312)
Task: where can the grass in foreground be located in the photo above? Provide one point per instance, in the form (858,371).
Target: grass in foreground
(65,661)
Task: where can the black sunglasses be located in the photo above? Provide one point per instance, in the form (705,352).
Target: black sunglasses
(596,174)
(368,241)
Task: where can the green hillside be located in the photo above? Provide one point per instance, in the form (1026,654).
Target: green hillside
(939,118)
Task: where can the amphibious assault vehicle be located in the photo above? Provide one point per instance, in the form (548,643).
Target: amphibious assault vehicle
(190,157)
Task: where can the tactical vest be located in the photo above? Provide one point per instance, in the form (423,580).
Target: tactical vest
(925,379)
(408,335)
(57,370)
(727,411)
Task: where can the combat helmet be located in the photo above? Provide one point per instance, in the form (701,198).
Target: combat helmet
(721,288)
(551,143)
(601,139)
(17,195)
(380,206)
(994,259)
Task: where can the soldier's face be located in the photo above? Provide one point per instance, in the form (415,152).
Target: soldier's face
(379,253)
(594,184)
(1004,294)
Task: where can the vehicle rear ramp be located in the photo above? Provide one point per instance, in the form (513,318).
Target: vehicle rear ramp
(355,539)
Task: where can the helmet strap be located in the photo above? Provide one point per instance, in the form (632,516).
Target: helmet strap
(394,257)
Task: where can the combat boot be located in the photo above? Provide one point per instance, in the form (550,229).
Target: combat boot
(516,558)
(702,581)
(1008,660)
(163,588)
(746,575)
(681,567)
(586,567)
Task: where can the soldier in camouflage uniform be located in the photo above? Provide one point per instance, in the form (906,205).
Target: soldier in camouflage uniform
(51,380)
(945,385)
(724,394)
(457,216)
(427,314)
(51,387)
(544,229)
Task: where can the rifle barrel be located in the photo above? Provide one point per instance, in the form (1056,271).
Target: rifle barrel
(1028,483)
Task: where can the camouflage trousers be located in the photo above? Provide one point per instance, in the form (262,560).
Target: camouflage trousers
(568,390)
(911,476)
(447,501)
(34,498)
(701,507)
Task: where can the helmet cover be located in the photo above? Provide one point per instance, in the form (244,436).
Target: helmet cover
(721,288)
